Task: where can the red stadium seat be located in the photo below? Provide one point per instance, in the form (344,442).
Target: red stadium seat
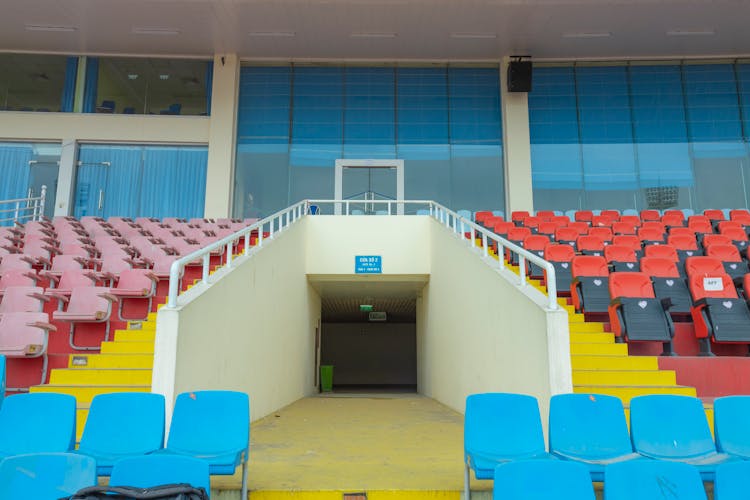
(566,236)
(742,216)
(518,216)
(700,224)
(662,251)
(730,257)
(651,235)
(613,215)
(23,299)
(623,228)
(603,233)
(621,258)
(673,219)
(601,221)
(26,335)
(583,216)
(560,256)
(719,315)
(636,314)
(650,215)
(134,286)
(738,236)
(87,305)
(588,288)
(686,246)
(535,243)
(703,266)
(590,245)
(714,214)
(16,277)
(629,240)
(667,282)
(715,239)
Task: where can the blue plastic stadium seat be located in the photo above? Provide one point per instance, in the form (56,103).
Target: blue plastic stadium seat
(122,425)
(731,481)
(590,429)
(500,428)
(215,426)
(731,430)
(542,480)
(45,476)
(38,422)
(669,427)
(630,211)
(653,479)
(155,470)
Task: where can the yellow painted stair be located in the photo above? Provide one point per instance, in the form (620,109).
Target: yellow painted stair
(122,365)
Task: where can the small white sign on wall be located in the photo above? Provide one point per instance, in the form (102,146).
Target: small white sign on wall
(713,284)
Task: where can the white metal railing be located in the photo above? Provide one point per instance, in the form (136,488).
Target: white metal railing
(273,225)
(281,220)
(23,209)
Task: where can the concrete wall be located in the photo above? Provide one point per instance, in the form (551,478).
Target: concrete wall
(370,353)
(253,330)
(476,332)
(333,242)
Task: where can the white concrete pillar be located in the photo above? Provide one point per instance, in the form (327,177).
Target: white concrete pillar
(222,136)
(516,146)
(66,178)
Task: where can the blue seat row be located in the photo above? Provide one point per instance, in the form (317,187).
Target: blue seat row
(591,429)
(212,425)
(50,476)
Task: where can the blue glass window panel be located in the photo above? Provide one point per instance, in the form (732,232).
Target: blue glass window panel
(174,182)
(660,126)
(743,82)
(712,110)
(369,113)
(553,128)
(14,172)
(264,106)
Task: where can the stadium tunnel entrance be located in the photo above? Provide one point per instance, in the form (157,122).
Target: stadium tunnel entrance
(368,332)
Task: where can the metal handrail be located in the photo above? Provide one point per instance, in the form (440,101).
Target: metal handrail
(276,222)
(281,220)
(33,204)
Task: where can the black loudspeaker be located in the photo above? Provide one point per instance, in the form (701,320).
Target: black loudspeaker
(519,76)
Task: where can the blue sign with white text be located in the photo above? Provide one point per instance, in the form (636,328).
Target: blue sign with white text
(368,264)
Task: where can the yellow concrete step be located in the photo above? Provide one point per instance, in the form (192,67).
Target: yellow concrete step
(624,377)
(599,349)
(588,327)
(98,376)
(127,347)
(593,362)
(626,393)
(78,361)
(135,335)
(592,338)
(85,393)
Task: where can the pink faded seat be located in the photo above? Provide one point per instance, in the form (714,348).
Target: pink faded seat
(135,284)
(87,305)
(25,335)
(23,299)
(15,261)
(63,263)
(69,281)
(16,277)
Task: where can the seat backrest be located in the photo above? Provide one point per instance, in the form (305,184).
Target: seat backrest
(559,253)
(659,267)
(518,233)
(17,277)
(589,265)
(673,219)
(138,418)
(581,227)
(535,242)
(685,231)
(502,227)
(519,215)
(480,216)
(545,213)
(700,225)
(583,216)
(45,475)
(650,234)
(652,479)
(74,278)
(601,221)
(731,431)
(588,426)
(716,239)
(637,285)
(612,214)
(21,299)
(604,233)
(717,285)
(682,242)
(153,470)
(590,243)
(15,261)
(650,215)
(740,215)
(730,482)
(560,220)
(547,228)
(628,240)
(550,479)
(88,300)
(666,426)
(136,279)
(502,425)
(663,251)
(197,427)
(703,265)
(114,264)
(673,212)
(623,228)
(531,222)
(734,233)
(724,252)
(37,422)
(566,234)
(23,334)
(619,253)
(713,214)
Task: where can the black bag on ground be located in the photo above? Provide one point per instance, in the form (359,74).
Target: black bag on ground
(164,492)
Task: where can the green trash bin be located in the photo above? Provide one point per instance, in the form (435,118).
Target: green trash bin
(326,378)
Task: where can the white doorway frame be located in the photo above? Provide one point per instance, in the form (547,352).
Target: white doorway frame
(341,164)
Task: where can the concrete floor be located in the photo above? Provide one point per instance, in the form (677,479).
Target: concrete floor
(357,442)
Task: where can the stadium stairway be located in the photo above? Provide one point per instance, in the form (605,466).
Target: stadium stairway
(122,365)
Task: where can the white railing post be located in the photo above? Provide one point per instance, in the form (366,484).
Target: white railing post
(206,267)
(522,270)
(501,254)
(15,214)
(484,244)
(247,243)
(260,235)
(230,245)
(42,202)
